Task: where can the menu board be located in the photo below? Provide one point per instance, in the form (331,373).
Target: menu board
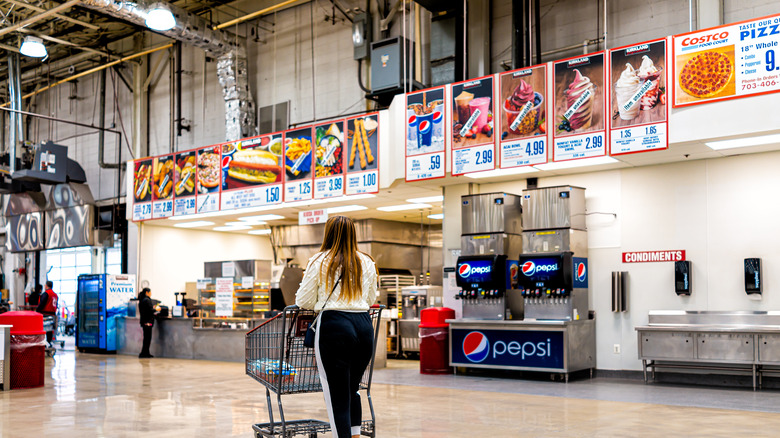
(252,172)
(727,62)
(638,98)
(162,187)
(473,107)
(142,189)
(185,174)
(579,126)
(298,165)
(329,160)
(523,117)
(362,152)
(209,172)
(425,132)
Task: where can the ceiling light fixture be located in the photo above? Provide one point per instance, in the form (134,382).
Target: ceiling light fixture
(577,163)
(232,228)
(403,207)
(243,223)
(33,47)
(346,208)
(439,198)
(261,218)
(744,142)
(193,224)
(501,172)
(260,232)
(436,216)
(160,17)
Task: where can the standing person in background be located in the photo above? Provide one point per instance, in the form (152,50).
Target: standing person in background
(47,303)
(147,310)
(34,297)
(341,282)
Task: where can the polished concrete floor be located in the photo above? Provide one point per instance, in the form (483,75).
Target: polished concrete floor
(123,396)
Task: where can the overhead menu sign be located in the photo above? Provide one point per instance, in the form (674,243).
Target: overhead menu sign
(185,174)
(471,118)
(523,123)
(298,165)
(329,160)
(425,131)
(142,189)
(209,177)
(162,186)
(362,154)
(579,125)
(639,113)
(252,172)
(727,62)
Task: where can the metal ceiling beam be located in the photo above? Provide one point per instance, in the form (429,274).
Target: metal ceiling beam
(9,48)
(39,17)
(60,16)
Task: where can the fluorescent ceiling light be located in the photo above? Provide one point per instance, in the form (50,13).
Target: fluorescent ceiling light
(577,163)
(403,207)
(193,224)
(261,218)
(160,17)
(260,232)
(744,142)
(232,228)
(242,222)
(33,47)
(346,208)
(439,198)
(501,172)
(436,216)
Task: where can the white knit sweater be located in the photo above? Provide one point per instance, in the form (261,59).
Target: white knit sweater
(313,292)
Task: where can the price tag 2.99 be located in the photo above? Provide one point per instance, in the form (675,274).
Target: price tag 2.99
(473,159)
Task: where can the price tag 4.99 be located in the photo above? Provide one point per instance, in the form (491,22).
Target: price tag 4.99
(524,152)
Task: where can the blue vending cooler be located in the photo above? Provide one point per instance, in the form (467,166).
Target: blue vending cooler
(101,299)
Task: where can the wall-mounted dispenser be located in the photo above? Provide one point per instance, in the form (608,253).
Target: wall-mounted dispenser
(619,291)
(682,277)
(753,280)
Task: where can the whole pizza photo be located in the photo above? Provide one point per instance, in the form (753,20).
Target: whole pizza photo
(707,74)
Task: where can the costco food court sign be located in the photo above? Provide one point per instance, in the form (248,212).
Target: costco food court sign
(654,256)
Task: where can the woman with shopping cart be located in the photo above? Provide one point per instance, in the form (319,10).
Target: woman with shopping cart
(341,283)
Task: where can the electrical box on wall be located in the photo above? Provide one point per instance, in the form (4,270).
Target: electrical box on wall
(361,35)
(682,277)
(753,280)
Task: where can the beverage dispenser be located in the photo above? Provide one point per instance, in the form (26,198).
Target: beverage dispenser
(554,286)
(484,284)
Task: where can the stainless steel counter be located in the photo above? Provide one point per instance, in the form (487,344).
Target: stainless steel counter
(527,345)
(740,342)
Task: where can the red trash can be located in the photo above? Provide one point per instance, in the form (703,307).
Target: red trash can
(28,348)
(435,340)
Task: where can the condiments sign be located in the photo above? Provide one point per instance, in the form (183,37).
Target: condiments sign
(654,256)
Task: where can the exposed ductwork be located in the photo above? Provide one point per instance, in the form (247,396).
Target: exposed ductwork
(231,58)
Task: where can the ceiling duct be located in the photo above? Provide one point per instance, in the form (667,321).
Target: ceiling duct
(231,58)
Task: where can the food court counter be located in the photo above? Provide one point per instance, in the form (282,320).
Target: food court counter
(528,345)
(177,338)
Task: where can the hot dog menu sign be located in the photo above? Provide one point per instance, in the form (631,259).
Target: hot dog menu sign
(322,161)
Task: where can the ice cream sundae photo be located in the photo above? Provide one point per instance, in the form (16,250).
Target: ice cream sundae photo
(638,93)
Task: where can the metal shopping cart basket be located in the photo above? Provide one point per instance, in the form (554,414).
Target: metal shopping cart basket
(276,357)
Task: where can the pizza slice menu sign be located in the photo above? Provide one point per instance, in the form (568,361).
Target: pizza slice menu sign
(653,256)
(727,62)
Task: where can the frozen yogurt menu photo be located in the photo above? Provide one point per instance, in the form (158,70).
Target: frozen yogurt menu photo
(298,164)
(639,112)
(726,62)
(425,134)
(472,124)
(252,172)
(523,117)
(579,123)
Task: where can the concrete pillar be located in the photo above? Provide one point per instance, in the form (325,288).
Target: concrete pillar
(709,13)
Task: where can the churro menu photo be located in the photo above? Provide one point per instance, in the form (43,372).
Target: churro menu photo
(162,186)
(727,62)
(579,124)
(209,178)
(362,154)
(638,98)
(473,109)
(298,164)
(249,166)
(142,190)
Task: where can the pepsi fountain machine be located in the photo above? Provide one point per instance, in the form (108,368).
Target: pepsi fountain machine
(557,333)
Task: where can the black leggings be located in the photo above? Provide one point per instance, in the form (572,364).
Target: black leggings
(344,346)
(147,340)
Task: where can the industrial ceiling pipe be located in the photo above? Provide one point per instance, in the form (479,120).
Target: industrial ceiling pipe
(102,125)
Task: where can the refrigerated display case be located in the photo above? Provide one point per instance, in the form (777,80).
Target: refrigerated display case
(250,297)
(100,301)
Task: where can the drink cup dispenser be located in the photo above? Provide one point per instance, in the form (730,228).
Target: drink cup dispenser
(682,277)
(753,280)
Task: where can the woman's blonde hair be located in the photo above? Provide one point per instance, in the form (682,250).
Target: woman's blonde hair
(341,240)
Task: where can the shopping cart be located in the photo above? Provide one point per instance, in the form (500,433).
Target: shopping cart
(276,357)
(50,323)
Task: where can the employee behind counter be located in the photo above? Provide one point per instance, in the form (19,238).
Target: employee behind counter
(148,310)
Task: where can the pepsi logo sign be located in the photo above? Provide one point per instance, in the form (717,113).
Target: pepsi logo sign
(530,268)
(581,271)
(425,126)
(465,270)
(476,346)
